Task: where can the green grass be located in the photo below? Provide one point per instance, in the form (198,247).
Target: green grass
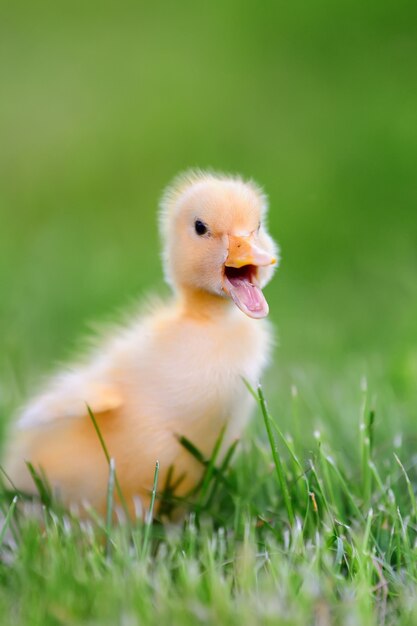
(289,538)
(101,106)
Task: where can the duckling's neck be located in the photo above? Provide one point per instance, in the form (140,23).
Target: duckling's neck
(198,304)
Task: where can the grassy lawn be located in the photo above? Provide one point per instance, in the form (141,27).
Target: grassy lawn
(101,106)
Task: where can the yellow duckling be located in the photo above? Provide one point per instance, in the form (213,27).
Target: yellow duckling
(176,371)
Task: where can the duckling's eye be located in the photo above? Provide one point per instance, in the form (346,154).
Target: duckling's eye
(200,227)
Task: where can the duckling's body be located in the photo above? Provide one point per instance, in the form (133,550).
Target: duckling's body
(177,371)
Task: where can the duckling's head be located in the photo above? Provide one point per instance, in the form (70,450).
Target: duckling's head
(215,239)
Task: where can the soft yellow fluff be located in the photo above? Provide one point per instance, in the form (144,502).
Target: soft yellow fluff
(176,371)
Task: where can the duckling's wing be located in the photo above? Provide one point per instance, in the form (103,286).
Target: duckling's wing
(68,397)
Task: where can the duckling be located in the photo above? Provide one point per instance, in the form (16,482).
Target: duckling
(177,370)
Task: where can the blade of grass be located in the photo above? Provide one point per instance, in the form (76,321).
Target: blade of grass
(41,484)
(222,470)
(377,477)
(290,449)
(366,433)
(8,519)
(370,428)
(327,482)
(198,455)
(110,503)
(366,471)
(191,448)
(208,474)
(5,474)
(409,488)
(345,486)
(166,495)
(284,440)
(277,460)
(149,517)
(323,498)
(107,455)
(251,390)
(367,533)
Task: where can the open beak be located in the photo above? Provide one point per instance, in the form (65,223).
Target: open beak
(240,280)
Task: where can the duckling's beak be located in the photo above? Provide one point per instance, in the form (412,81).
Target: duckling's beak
(244,251)
(240,279)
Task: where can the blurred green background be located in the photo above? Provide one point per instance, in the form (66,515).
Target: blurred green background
(103,103)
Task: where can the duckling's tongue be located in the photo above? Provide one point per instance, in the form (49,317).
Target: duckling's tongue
(248,297)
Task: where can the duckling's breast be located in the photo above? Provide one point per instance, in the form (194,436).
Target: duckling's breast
(188,378)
